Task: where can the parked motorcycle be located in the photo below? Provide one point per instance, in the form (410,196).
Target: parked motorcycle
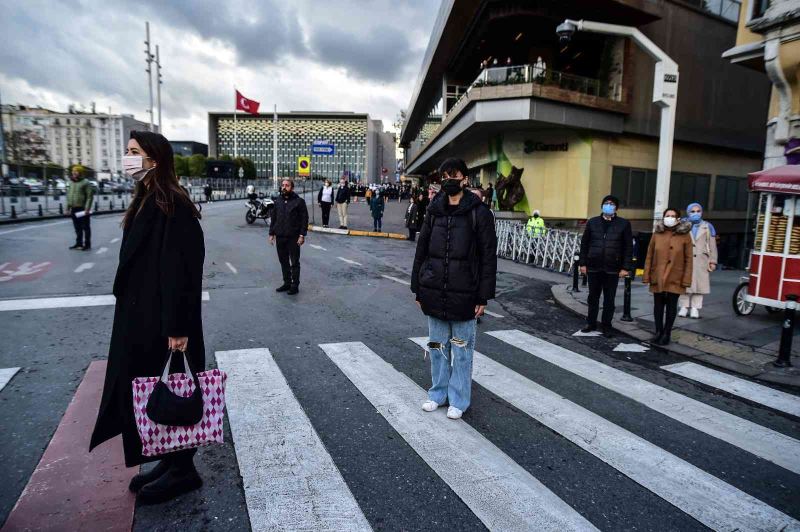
(258,208)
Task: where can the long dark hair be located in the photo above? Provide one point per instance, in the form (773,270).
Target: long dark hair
(164,185)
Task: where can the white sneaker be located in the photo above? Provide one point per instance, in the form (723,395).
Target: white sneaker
(694,313)
(683,312)
(430,406)
(454,413)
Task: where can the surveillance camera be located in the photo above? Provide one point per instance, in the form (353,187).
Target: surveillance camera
(565,31)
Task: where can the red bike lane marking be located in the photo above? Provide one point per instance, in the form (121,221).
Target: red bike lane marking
(26,271)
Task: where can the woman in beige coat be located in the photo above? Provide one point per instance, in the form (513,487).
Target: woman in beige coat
(668,271)
(705,261)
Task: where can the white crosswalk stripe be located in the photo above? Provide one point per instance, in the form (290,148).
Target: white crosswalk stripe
(734,385)
(6,374)
(64,302)
(760,441)
(502,494)
(290,480)
(708,499)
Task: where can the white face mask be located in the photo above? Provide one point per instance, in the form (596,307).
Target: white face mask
(133,166)
(670,221)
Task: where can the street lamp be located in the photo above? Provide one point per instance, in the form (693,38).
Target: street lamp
(665,94)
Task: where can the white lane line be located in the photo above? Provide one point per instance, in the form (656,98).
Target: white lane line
(290,480)
(101,251)
(755,439)
(231,268)
(494,314)
(348,261)
(6,374)
(395,279)
(205,296)
(708,499)
(114,240)
(749,390)
(84,266)
(63,302)
(36,226)
(502,494)
(318,247)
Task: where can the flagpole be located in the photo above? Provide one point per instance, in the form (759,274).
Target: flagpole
(235,128)
(275,146)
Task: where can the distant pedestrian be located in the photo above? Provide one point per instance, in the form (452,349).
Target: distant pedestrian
(415,215)
(376,208)
(668,271)
(325,200)
(208,190)
(535,226)
(80,195)
(605,257)
(704,241)
(342,202)
(158,297)
(488,195)
(288,227)
(453,278)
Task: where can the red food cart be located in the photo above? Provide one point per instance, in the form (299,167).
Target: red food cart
(775,259)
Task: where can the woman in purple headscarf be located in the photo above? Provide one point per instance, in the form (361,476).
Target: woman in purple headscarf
(705,261)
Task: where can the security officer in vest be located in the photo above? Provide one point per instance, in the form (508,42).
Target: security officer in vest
(80,195)
(535,225)
(288,227)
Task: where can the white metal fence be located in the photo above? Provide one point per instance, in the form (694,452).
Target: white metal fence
(555,250)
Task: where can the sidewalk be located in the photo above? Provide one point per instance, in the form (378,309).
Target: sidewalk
(744,344)
(360,219)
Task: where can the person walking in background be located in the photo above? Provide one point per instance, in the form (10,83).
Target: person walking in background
(535,226)
(325,200)
(208,190)
(668,271)
(80,196)
(605,257)
(415,215)
(288,227)
(376,208)
(342,202)
(158,297)
(488,195)
(704,242)
(453,278)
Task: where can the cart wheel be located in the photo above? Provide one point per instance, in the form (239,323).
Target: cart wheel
(773,310)
(741,306)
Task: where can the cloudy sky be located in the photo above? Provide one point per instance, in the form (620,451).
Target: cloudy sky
(342,55)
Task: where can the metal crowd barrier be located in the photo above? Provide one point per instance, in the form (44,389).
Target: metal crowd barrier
(555,250)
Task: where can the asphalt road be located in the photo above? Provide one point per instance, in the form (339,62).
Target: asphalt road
(346,295)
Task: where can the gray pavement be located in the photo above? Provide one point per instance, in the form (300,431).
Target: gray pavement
(359,217)
(366,300)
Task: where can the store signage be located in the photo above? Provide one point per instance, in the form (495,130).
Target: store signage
(531,146)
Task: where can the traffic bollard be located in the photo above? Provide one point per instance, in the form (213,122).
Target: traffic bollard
(575,272)
(626,305)
(40,211)
(123,205)
(13,212)
(787,333)
(61,209)
(111,204)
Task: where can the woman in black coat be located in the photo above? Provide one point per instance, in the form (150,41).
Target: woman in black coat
(158,290)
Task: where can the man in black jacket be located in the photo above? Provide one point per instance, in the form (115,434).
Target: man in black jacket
(342,202)
(606,257)
(453,277)
(289,225)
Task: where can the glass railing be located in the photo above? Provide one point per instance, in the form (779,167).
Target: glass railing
(544,76)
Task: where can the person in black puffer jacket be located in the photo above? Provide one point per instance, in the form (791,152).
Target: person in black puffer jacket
(453,277)
(606,257)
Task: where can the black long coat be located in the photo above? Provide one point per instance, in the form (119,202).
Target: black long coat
(158,290)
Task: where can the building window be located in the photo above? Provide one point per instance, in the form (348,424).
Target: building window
(728,9)
(688,188)
(730,193)
(635,187)
(758,8)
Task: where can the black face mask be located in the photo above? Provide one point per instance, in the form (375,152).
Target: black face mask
(451,187)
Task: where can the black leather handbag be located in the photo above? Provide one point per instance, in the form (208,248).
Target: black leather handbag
(166,408)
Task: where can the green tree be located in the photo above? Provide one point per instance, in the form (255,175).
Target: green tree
(197,165)
(181,165)
(248,165)
(226,157)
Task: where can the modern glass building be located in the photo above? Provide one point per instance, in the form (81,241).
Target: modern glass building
(356,141)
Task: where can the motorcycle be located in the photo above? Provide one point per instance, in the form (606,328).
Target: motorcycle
(258,208)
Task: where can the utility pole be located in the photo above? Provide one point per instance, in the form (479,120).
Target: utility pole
(149,61)
(158,88)
(2,147)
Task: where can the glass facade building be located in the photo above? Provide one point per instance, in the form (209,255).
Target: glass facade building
(349,133)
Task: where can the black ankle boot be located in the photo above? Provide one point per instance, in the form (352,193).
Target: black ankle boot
(139,481)
(283,288)
(665,338)
(657,337)
(180,478)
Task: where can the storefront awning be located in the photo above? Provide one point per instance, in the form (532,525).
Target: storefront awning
(782,180)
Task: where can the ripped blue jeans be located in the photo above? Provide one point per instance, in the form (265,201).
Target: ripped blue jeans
(450,344)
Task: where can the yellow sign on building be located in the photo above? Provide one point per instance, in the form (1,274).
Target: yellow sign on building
(304,166)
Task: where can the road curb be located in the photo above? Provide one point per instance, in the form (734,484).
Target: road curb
(356,232)
(564,298)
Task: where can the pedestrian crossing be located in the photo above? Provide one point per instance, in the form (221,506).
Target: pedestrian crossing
(292,480)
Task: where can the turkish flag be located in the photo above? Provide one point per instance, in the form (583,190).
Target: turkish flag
(248,106)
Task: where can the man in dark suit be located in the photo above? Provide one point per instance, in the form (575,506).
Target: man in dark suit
(288,227)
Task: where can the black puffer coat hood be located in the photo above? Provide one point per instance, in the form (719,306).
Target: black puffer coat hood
(455,265)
